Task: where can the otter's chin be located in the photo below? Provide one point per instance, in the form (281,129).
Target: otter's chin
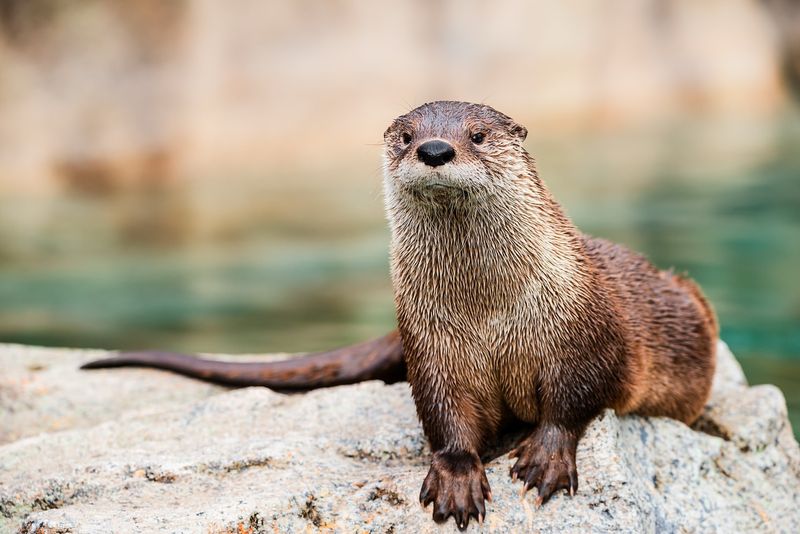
(439,191)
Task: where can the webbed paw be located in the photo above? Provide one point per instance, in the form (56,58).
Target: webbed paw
(546,460)
(457,486)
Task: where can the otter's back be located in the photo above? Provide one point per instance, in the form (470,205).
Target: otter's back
(672,327)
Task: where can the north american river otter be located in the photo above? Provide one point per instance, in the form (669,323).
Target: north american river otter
(506,312)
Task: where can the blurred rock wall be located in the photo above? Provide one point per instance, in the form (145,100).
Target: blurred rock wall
(101,96)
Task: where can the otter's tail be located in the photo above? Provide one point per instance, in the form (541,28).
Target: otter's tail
(379,359)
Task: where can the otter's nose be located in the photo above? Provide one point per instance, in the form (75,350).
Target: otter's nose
(435,153)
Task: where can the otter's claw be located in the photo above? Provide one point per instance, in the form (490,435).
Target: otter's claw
(546,460)
(457,486)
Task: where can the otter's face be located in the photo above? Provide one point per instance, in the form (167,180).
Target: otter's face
(448,151)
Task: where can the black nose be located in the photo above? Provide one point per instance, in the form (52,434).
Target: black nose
(435,153)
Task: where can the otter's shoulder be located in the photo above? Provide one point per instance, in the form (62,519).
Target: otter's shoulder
(635,281)
(617,259)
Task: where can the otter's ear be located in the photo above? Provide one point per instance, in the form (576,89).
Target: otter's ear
(389,130)
(520,131)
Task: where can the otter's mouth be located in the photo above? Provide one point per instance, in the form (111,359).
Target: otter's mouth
(436,182)
(437,185)
(438,191)
(441,191)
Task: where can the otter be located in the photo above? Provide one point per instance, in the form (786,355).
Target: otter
(507,314)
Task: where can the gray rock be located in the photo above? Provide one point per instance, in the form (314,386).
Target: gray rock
(146,451)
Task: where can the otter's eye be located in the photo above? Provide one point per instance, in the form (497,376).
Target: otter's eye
(406,138)
(478,138)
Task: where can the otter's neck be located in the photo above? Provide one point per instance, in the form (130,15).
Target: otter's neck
(504,242)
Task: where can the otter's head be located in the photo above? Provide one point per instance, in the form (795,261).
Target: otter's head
(453,152)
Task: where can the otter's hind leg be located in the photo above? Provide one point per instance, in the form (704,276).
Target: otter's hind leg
(681,348)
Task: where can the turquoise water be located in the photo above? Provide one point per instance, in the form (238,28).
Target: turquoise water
(295,263)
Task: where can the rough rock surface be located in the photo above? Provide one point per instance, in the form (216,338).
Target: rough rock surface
(146,451)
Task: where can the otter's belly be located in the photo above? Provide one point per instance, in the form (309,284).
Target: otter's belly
(517,382)
(516,369)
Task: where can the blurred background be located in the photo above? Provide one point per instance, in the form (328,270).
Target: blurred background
(205,176)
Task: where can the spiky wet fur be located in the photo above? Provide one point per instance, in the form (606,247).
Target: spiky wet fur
(507,311)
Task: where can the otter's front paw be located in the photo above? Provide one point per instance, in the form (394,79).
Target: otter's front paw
(546,459)
(457,486)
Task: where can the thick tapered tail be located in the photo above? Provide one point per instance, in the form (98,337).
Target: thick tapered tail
(378,359)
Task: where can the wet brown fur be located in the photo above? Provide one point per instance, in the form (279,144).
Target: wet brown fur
(506,313)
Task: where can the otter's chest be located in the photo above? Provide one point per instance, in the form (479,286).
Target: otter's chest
(490,355)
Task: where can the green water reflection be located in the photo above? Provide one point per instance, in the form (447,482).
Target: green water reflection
(298,263)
